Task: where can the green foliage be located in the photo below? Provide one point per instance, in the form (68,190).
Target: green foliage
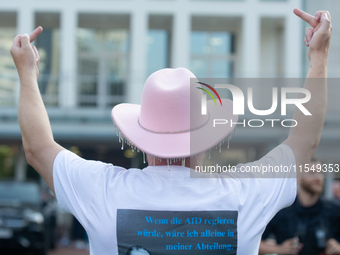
(7,161)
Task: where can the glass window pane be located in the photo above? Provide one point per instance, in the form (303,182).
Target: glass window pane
(116,40)
(88,40)
(8,73)
(211,54)
(200,42)
(221,42)
(87,80)
(199,68)
(157,50)
(48,46)
(102,68)
(117,67)
(221,69)
(88,66)
(116,76)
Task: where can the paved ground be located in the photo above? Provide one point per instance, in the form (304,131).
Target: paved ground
(68,251)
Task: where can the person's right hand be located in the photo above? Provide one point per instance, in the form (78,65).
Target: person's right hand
(25,56)
(288,247)
(318,36)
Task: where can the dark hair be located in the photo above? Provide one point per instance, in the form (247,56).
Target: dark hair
(136,248)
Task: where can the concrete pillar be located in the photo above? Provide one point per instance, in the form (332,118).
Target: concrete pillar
(181,39)
(293,41)
(139,30)
(68,58)
(251,37)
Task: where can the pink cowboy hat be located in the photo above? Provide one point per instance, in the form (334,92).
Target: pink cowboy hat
(169,123)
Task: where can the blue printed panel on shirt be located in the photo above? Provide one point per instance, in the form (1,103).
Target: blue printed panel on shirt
(176,232)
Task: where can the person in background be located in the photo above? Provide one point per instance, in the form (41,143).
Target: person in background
(336,190)
(311,225)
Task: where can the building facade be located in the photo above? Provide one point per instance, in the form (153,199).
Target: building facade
(96,54)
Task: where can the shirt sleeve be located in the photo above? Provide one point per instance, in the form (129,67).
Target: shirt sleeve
(278,187)
(74,180)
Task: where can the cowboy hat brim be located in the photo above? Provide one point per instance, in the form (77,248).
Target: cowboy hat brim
(175,145)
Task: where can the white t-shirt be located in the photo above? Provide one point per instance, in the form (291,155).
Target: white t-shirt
(167,212)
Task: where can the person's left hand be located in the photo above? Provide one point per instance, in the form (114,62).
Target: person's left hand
(332,247)
(318,36)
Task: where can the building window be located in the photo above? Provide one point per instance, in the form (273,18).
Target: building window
(8,72)
(48,45)
(103,54)
(158,50)
(272,47)
(212,54)
(158,45)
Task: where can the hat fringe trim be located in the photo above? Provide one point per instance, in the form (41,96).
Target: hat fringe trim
(123,140)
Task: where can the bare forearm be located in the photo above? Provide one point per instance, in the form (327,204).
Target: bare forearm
(309,128)
(33,119)
(318,66)
(37,137)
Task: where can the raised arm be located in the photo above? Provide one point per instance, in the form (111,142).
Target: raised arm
(305,137)
(39,145)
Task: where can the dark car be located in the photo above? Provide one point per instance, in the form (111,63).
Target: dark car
(24,225)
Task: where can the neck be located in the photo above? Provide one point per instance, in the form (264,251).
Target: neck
(307,199)
(152,161)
